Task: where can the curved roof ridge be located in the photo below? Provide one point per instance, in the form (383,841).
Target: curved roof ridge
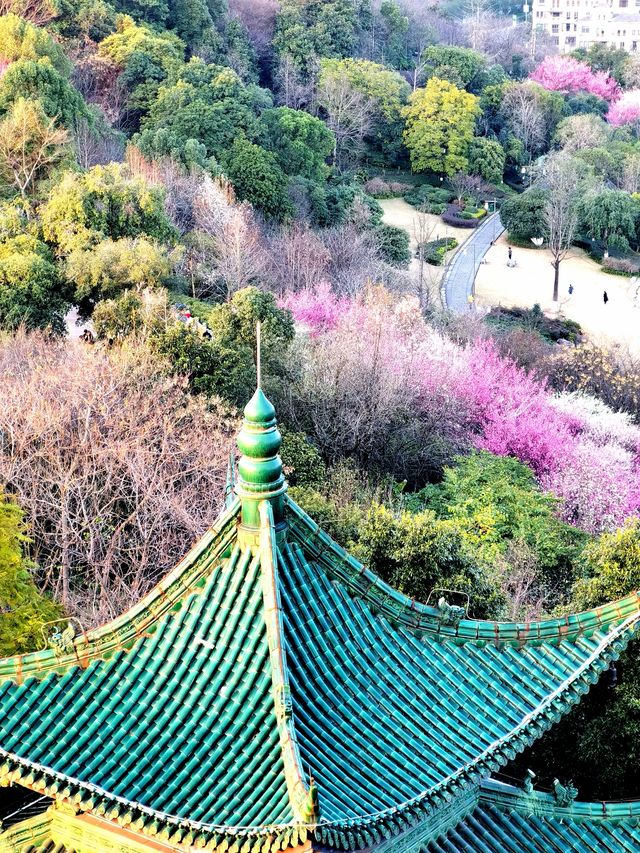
(401,609)
(508,796)
(124,630)
(299,791)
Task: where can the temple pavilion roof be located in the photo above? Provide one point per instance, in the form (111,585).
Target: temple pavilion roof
(501,818)
(271,691)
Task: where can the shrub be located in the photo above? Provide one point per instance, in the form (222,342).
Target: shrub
(551,329)
(435,251)
(393,244)
(433,197)
(378,188)
(620,266)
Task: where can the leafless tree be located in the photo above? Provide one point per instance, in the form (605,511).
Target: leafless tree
(423,228)
(181,186)
(524,116)
(631,174)
(237,251)
(465,185)
(292,88)
(95,147)
(348,113)
(576,133)
(474,12)
(98,80)
(297,258)
(30,143)
(560,176)
(259,19)
(118,469)
(38,12)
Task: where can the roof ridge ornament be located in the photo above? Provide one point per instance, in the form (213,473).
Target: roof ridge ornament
(260,474)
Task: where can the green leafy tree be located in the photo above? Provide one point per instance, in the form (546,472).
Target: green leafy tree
(393,244)
(207,103)
(31,291)
(154,12)
(396,29)
(104,202)
(523,215)
(21,40)
(156,144)
(145,58)
(383,92)
(487,158)
(439,127)
(112,266)
(310,29)
(417,552)
(300,142)
(459,65)
(225,365)
(496,502)
(39,81)
(609,216)
(303,464)
(23,610)
(611,567)
(30,146)
(257,178)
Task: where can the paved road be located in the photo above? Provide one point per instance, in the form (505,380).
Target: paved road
(457,282)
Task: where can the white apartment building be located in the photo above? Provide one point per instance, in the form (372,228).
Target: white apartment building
(581,23)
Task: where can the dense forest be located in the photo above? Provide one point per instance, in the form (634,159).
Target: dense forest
(172,171)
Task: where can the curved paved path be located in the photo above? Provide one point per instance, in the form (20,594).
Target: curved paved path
(457,282)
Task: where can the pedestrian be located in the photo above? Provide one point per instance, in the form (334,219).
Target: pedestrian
(510,253)
(570,289)
(605,297)
(470,301)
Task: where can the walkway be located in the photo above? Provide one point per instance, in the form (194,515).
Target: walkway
(457,282)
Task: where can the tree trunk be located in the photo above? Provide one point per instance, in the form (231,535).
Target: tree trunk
(556,279)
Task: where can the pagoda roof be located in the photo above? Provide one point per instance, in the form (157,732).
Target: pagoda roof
(271,656)
(504,819)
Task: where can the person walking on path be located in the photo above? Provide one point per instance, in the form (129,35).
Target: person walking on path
(510,254)
(570,289)
(470,301)
(605,297)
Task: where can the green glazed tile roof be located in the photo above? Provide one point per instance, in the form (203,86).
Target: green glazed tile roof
(183,723)
(505,820)
(200,715)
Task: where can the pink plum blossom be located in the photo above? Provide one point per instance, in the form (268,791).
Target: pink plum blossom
(626,110)
(568,75)
(578,448)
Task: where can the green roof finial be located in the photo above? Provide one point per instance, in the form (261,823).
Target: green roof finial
(260,474)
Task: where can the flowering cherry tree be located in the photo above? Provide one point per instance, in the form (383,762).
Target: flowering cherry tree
(569,75)
(578,448)
(626,110)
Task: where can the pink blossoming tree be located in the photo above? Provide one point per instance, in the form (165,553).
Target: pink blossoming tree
(578,448)
(568,75)
(626,110)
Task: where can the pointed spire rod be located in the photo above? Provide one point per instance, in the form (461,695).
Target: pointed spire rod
(258,355)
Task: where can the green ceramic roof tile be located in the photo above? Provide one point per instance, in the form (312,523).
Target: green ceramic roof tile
(184,723)
(506,820)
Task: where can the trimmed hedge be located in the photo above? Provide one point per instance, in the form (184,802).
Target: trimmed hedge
(435,250)
(455,216)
